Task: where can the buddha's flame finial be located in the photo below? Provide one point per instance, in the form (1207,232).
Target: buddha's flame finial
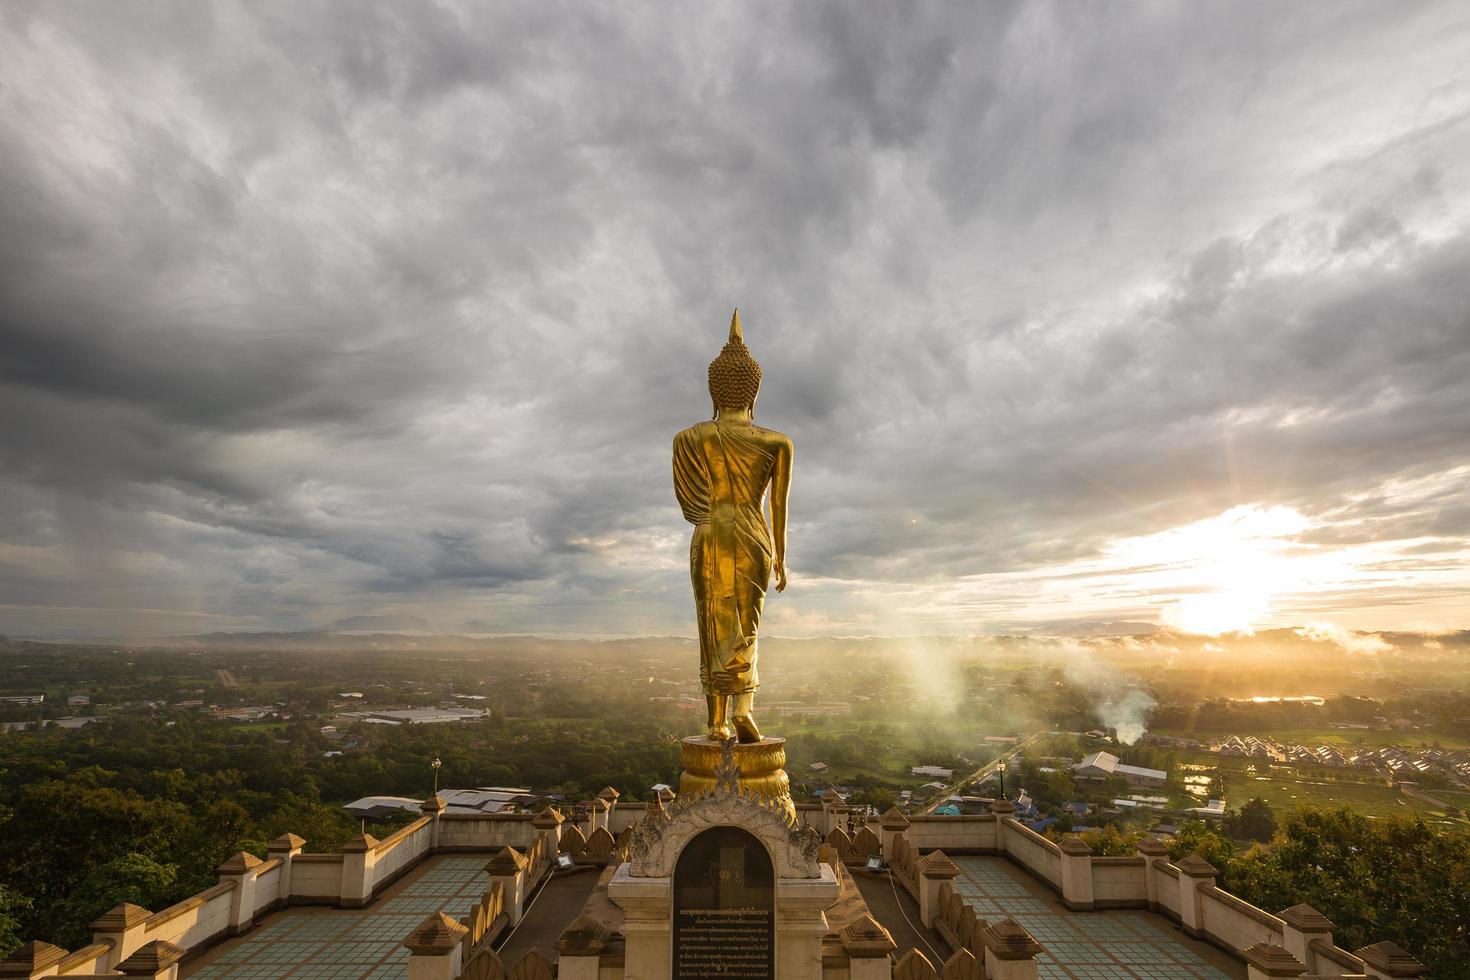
(734,376)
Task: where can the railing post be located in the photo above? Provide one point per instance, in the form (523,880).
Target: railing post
(579,950)
(935,868)
(285,847)
(508,867)
(1153,851)
(435,948)
(1387,961)
(890,825)
(1076,874)
(601,816)
(1003,811)
(1010,951)
(1195,873)
(1303,925)
(123,927)
(433,808)
(34,959)
(830,804)
(158,959)
(548,822)
(357,871)
(609,796)
(240,869)
(1267,960)
(868,946)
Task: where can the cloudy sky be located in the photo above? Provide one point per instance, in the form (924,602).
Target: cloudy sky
(1111,312)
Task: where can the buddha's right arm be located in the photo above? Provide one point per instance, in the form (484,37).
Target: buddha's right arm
(780,490)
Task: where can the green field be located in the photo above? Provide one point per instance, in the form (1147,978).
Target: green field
(1284,787)
(1371,738)
(1455,797)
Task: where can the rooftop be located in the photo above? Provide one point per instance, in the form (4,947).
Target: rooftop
(328,943)
(1113,945)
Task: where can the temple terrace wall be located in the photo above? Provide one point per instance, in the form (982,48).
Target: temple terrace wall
(1296,942)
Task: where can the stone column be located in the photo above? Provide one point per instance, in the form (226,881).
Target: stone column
(869,949)
(509,868)
(1002,810)
(1264,960)
(357,871)
(240,869)
(34,959)
(935,868)
(801,922)
(1303,925)
(579,950)
(1010,952)
(1153,851)
(548,822)
(158,959)
(123,927)
(1076,874)
(1194,873)
(601,816)
(433,808)
(285,847)
(1384,960)
(435,948)
(890,825)
(646,924)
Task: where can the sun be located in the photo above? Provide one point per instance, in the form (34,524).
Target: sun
(1214,613)
(1229,568)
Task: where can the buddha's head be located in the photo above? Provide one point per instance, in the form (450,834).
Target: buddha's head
(734,376)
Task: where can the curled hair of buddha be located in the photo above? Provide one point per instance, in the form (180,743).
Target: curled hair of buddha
(734,376)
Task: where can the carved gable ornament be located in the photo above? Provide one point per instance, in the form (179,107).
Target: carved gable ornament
(657,841)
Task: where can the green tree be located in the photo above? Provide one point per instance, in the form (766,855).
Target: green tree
(13,908)
(1195,837)
(1256,821)
(1397,879)
(1110,842)
(59,832)
(134,878)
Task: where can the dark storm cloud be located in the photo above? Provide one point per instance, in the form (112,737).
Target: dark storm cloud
(312,310)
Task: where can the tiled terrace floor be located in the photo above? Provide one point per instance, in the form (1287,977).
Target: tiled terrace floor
(1112,945)
(339,944)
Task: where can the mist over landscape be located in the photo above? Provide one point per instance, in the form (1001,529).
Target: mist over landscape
(534,489)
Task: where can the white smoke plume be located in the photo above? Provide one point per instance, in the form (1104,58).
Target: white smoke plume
(1127,714)
(1366,644)
(1120,703)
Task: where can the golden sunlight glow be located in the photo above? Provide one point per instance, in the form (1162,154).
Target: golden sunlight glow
(1235,565)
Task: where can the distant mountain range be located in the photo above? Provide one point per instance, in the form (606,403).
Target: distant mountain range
(379,624)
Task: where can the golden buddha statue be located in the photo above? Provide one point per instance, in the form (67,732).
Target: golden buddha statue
(722,472)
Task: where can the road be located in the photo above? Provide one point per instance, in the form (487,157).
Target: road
(981,773)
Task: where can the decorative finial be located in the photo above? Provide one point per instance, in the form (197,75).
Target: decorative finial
(734,376)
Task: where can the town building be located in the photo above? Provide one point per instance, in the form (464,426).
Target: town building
(1104,765)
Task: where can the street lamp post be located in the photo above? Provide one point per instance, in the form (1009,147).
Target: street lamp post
(1000,769)
(436,764)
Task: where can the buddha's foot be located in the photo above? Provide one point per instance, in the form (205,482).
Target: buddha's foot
(719,721)
(741,708)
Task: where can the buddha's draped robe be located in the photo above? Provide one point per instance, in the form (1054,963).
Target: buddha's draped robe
(721,472)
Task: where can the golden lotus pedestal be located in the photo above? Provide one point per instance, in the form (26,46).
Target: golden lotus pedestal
(762,770)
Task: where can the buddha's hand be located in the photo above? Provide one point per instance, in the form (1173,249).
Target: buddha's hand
(780,576)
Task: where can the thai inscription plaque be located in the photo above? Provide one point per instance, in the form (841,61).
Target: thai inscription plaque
(724,908)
